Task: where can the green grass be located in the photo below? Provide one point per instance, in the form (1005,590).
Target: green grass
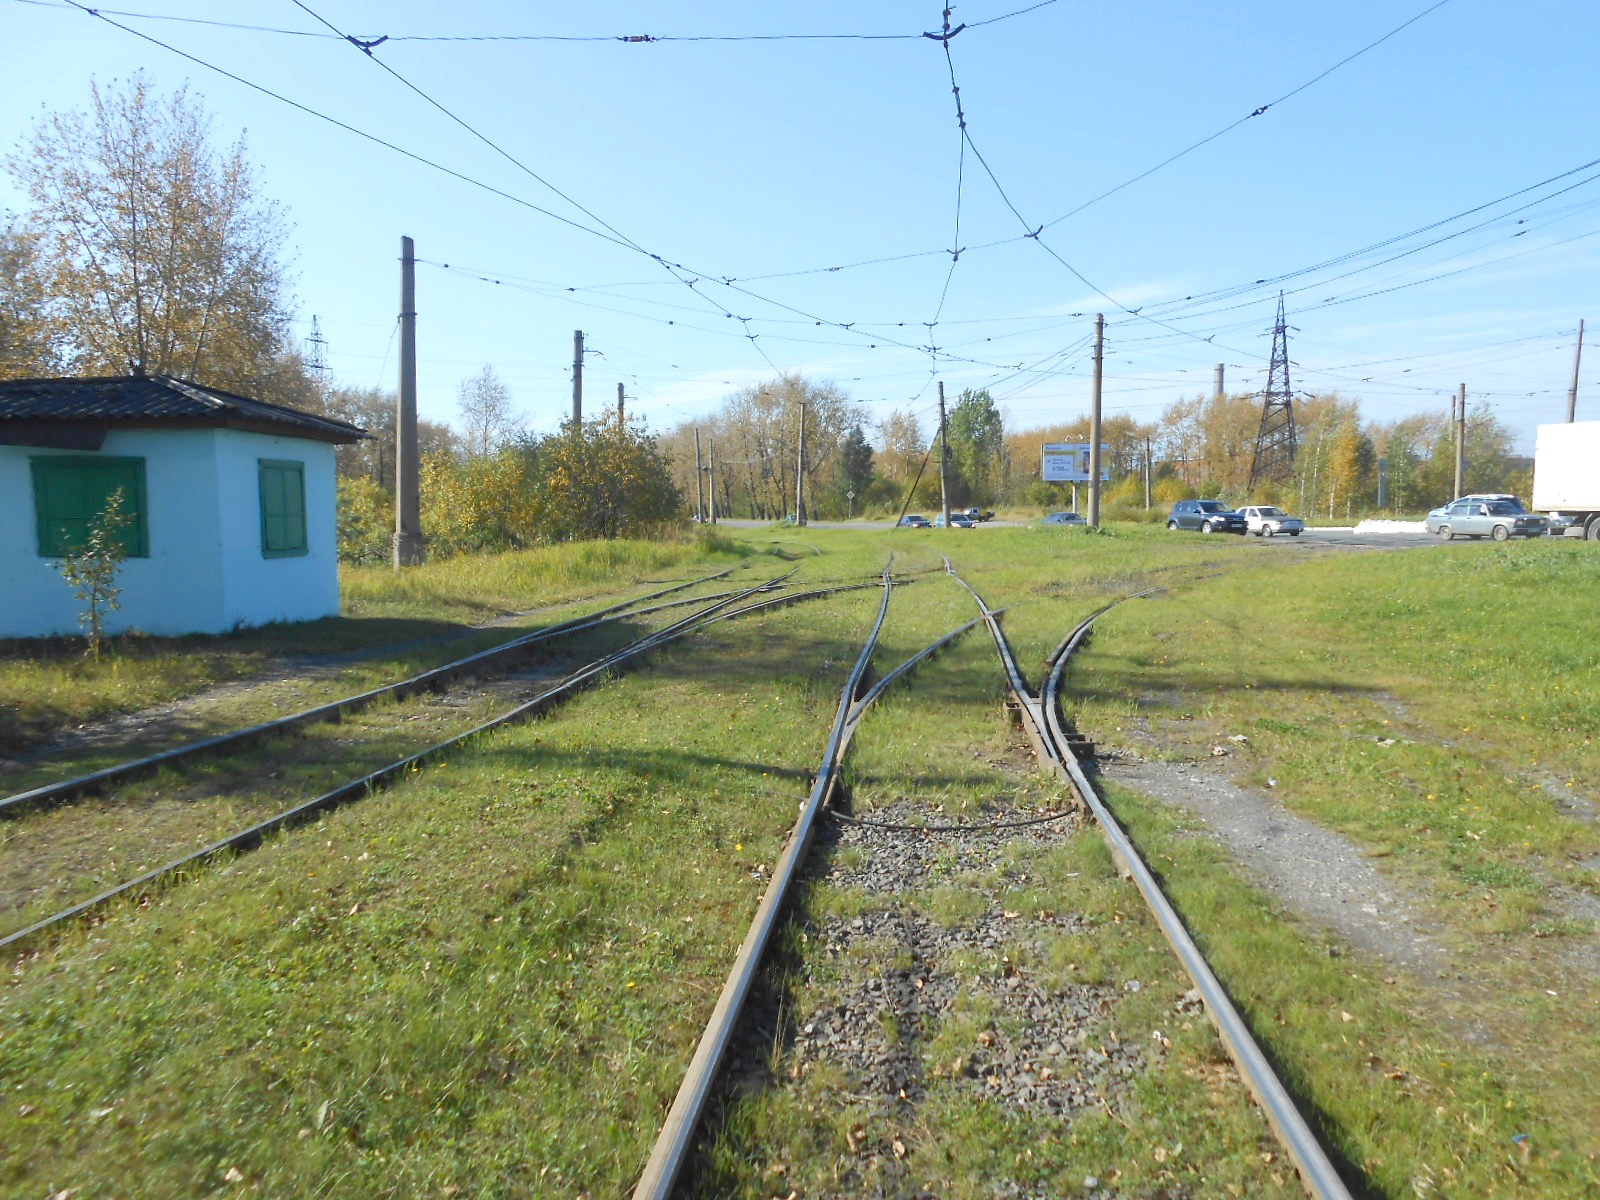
(47,685)
(487,981)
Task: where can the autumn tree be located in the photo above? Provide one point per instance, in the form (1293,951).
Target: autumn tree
(1486,457)
(606,480)
(904,446)
(1229,426)
(757,437)
(488,420)
(481,503)
(1123,437)
(156,252)
(27,346)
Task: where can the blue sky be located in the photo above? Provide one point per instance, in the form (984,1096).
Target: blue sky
(811,155)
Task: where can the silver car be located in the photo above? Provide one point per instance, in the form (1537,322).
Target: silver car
(1500,518)
(1264,520)
(1064,518)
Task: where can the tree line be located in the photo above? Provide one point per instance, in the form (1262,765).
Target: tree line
(749,456)
(144,249)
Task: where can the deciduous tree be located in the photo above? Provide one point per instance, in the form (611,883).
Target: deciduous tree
(488,420)
(977,434)
(157,253)
(27,347)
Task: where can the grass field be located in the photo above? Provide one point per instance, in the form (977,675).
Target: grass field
(395,621)
(487,981)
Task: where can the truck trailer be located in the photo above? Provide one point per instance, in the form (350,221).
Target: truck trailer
(1566,475)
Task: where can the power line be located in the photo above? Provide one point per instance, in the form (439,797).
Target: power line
(1260,111)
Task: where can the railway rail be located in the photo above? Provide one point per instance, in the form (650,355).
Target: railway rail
(1055,745)
(432,679)
(722,606)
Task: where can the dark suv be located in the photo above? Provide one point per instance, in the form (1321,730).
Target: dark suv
(1208,516)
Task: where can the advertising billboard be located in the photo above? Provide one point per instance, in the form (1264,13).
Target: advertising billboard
(1068,462)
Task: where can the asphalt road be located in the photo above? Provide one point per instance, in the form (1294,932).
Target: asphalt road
(1322,536)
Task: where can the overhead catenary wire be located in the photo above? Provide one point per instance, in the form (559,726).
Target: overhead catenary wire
(756,327)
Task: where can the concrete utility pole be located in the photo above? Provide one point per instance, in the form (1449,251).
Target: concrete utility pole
(944,462)
(800,472)
(408,540)
(1147,469)
(712,499)
(1094,420)
(1461,437)
(577,381)
(699,480)
(1572,396)
(1217,390)
(622,415)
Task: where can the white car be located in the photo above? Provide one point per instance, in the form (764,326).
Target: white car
(1264,520)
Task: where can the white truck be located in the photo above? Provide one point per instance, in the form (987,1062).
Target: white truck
(1566,475)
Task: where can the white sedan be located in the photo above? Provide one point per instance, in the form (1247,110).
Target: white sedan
(1264,520)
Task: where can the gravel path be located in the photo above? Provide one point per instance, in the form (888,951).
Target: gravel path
(1310,870)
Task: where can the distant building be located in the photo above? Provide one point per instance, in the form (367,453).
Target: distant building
(232,502)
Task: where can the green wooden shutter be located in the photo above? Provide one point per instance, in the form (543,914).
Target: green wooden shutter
(283,508)
(70,492)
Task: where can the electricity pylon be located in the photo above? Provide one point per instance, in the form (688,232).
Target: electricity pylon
(1275,442)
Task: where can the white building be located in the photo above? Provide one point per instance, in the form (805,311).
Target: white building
(232,501)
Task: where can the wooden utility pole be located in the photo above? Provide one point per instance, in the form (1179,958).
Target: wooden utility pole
(944,462)
(699,480)
(408,540)
(577,381)
(1572,396)
(1460,408)
(800,472)
(1094,420)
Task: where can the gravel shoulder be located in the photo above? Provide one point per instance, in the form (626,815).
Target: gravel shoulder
(1310,870)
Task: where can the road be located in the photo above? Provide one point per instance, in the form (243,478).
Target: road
(1343,536)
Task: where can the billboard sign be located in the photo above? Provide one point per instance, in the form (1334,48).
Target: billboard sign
(1068,462)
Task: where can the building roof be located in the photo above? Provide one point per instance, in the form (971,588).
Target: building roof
(79,412)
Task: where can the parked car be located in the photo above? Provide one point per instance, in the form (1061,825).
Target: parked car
(957,521)
(1064,518)
(1498,517)
(1208,516)
(1264,520)
(915,521)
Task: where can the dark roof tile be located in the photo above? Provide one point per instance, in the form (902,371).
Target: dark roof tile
(157,400)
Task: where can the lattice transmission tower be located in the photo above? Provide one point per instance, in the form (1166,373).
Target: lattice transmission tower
(1275,442)
(317,355)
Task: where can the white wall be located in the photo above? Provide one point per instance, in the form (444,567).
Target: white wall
(256,590)
(205,572)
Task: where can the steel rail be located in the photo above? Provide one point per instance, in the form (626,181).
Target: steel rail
(1033,723)
(870,696)
(1316,1170)
(48,795)
(683,1118)
(351,790)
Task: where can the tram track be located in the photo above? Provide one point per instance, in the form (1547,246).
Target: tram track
(432,679)
(910,995)
(722,606)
